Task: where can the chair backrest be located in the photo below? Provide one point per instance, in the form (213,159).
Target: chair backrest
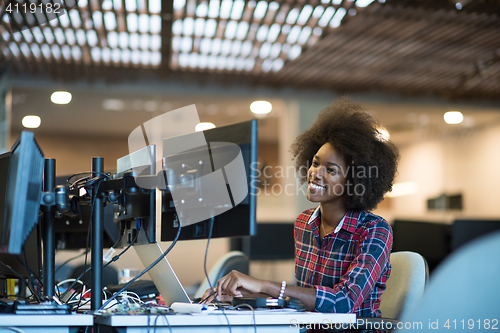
(109,275)
(406,284)
(236,260)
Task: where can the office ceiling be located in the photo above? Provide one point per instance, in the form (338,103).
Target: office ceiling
(440,48)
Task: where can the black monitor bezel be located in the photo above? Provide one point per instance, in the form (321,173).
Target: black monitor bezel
(243,134)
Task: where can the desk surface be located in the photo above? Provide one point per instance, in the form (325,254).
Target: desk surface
(217,318)
(47,320)
(41,323)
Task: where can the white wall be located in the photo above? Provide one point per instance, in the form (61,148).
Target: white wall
(466,163)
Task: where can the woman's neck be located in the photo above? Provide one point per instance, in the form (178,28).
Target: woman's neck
(332,213)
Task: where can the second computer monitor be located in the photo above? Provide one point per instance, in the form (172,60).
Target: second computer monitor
(232,149)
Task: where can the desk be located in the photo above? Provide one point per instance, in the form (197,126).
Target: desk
(53,323)
(241,321)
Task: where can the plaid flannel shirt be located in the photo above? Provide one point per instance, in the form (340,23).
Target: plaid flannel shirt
(348,268)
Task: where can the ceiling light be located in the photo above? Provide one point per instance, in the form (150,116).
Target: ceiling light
(242,31)
(294,34)
(294,52)
(178,4)
(292,16)
(143,24)
(188,26)
(213,9)
(154,6)
(210,28)
(400,189)
(109,21)
(204,126)
(261,107)
(202,10)
(155,23)
(31,121)
(237,10)
(453,117)
(304,14)
(113,104)
(225,9)
(260,10)
(235,47)
(337,18)
(363,3)
(249,64)
(327,15)
(262,33)
(60,97)
(131,5)
(278,64)
(199,27)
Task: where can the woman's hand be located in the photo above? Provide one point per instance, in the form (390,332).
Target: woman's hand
(237,284)
(234,284)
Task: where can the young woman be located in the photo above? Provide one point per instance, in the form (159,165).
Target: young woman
(341,249)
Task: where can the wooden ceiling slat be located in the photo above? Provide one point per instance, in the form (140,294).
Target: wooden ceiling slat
(167,14)
(87,62)
(68,72)
(99,66)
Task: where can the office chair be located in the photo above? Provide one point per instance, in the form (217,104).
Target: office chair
(236,260)
(406,284)
(464,291)
(404,289)
(109,275)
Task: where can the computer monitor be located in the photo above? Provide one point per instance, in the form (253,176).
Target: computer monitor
(31,244)
(23,193)
(213,186)
(274,241)
(466,230)
(430,239)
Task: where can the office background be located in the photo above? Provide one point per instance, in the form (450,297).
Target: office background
(408,63)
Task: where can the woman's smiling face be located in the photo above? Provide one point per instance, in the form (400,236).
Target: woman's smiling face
(326,176)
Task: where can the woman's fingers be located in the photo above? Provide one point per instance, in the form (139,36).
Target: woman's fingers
(224,298)
(237,284)
(208,295)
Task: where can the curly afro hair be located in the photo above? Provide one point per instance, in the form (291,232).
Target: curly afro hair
(371,161)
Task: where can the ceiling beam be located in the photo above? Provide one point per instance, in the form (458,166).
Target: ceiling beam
(167,16)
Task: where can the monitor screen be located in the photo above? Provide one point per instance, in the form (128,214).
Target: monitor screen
(274,241)
(429,239)
(465,231)
(22,194)
(215,179)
